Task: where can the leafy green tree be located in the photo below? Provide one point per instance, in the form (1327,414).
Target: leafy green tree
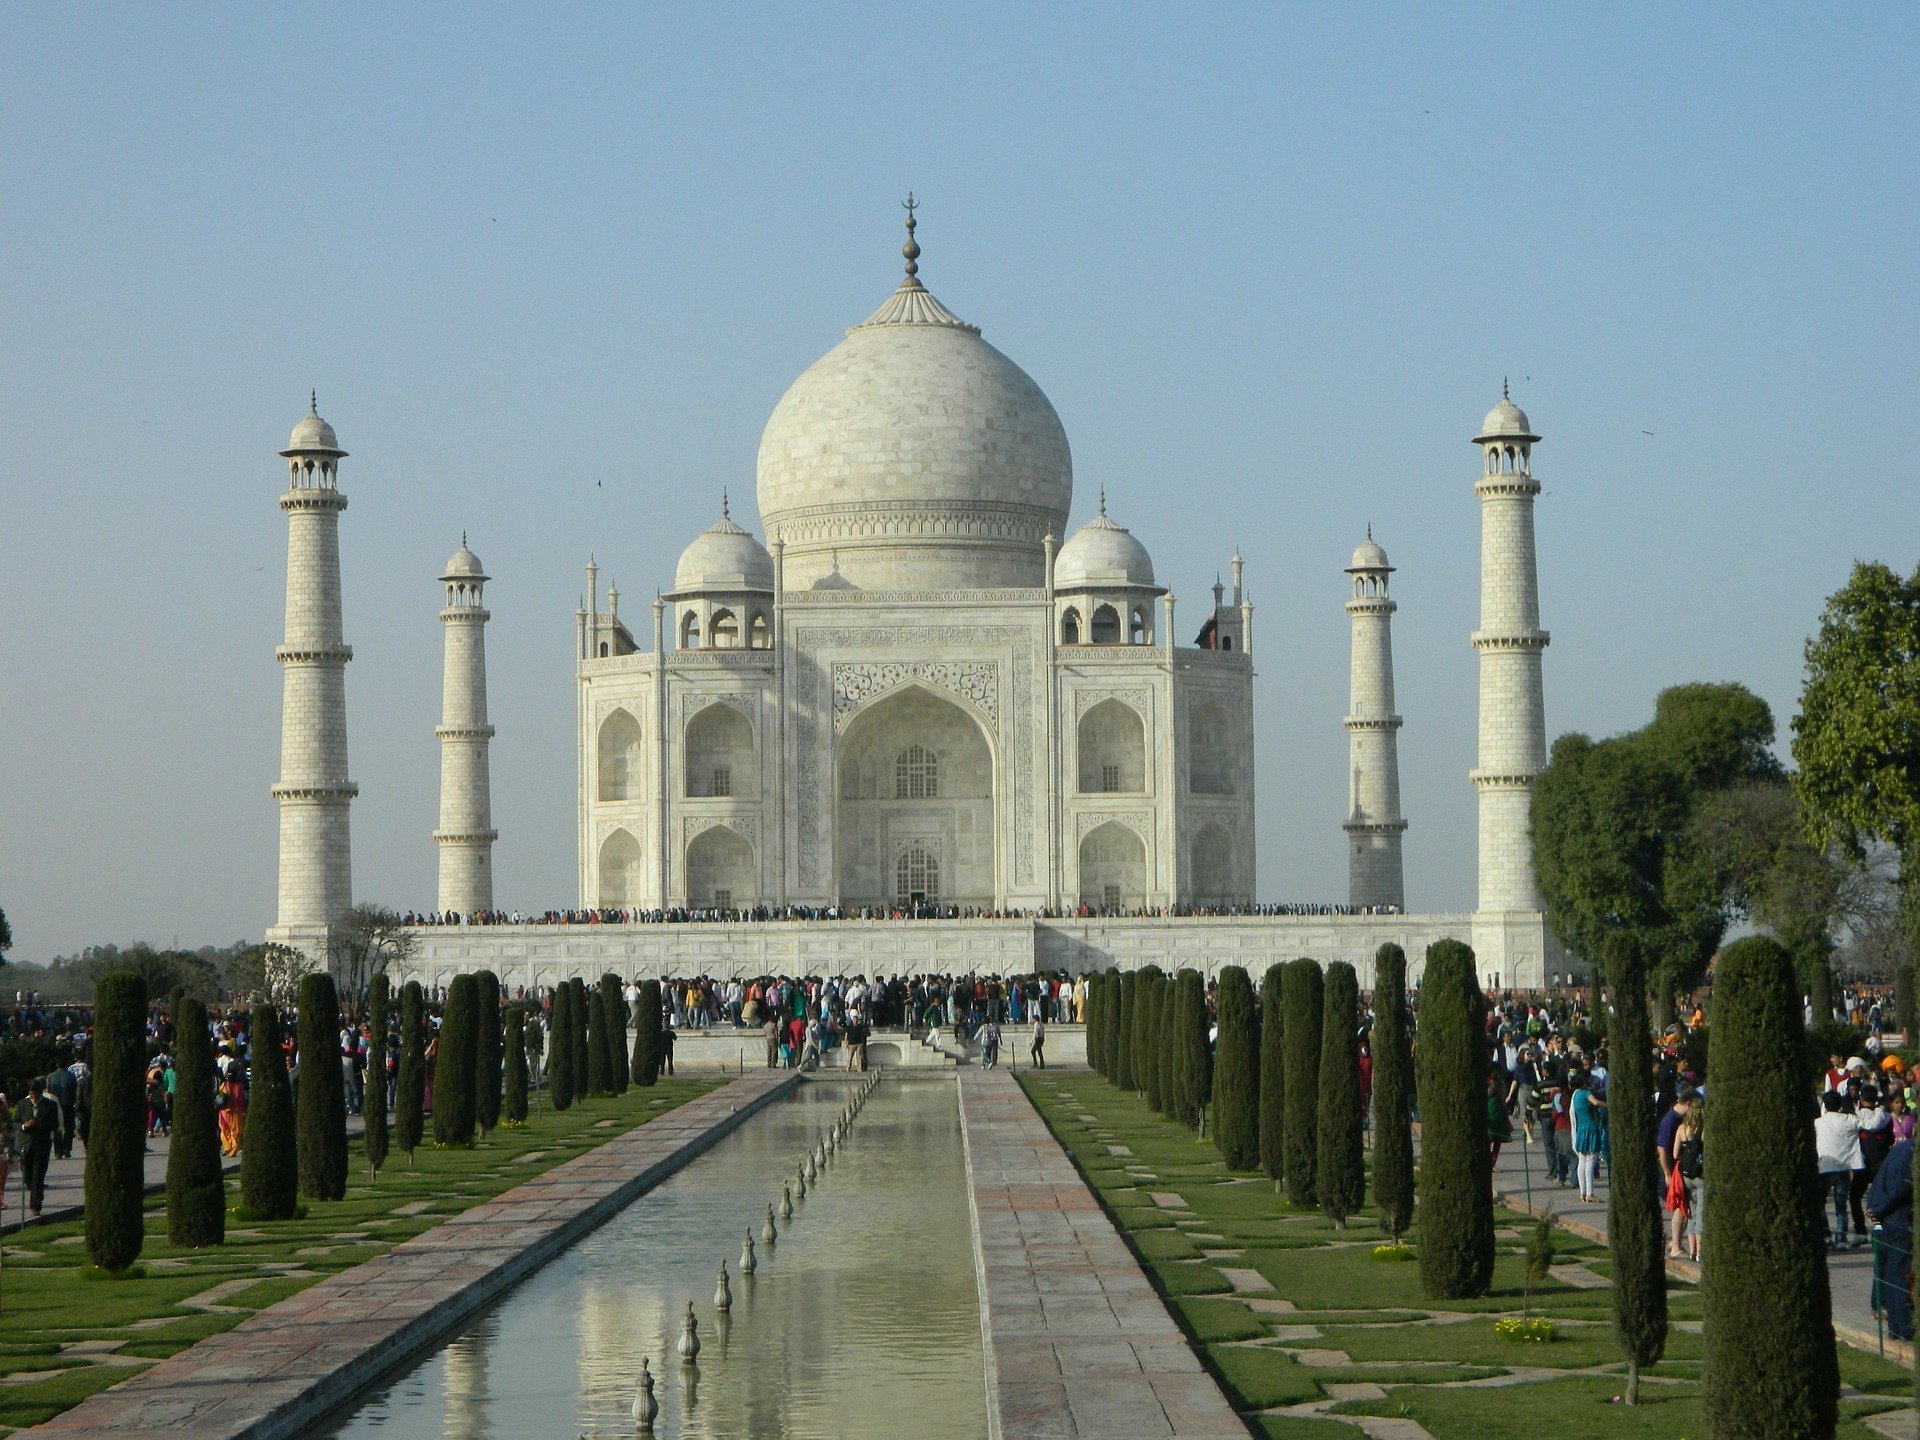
(486,1070)
(1456,1163)
(516,1065)
(115,1179)
(1120,1062)
(458,1057)
(269,1153)
(196,1189)
(1773,1375)
(410,1084)
(1193,1060)
(1236,1073)
(369,940)
(561,1080)
(1273,1074)
(1392,1072)
(6,937)
(1634,1189)
(647,1045)
(322,1098)
(373,1110)
(161,971)
(1342,1176)
(1301,994)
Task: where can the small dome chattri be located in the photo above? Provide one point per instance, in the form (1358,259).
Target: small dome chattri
(1102,553)
(1369,556)
(465,565)
(313,436)
(1506,421)
(724,557)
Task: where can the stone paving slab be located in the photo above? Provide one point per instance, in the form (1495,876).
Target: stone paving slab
(275,1374)
(1078,1343)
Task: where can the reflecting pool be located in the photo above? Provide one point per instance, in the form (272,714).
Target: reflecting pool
(863,1321)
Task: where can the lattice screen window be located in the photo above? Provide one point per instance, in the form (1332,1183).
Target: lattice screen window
(916,774)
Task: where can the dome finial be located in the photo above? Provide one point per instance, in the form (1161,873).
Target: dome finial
(1103,500)
(725,514)
(313,401)
(1369,532)
(463,539)
(1503,389)
(912,248)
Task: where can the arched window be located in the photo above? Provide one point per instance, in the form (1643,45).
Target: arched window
(916,878)
(1106,626)
(690,631)
(1070,627)
(759,637)
(603,649)
(1137,627)
(916,774)
(723,631)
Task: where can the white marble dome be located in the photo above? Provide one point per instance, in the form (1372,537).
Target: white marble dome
(464,565)
(920,454)
(313,436)
(1102,552)
(724,557)
(1369,556)
(1506,420)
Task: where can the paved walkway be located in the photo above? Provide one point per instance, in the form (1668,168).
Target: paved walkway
(1523,1170)
(285,1367)
(1078,1343)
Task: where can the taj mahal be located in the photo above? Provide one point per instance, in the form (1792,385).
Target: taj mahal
(922,695)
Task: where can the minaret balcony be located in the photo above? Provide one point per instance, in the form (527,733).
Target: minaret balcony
(1507,487)
(1373,722)
(1521,640)
(345,790)
(313,654)
(1503,779)
(314,499)
(464,732)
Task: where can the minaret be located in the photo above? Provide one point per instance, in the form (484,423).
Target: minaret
(466,832)
(316,868)
(1373,824)
(1513,725)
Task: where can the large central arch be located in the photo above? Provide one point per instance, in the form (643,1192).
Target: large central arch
(914,804)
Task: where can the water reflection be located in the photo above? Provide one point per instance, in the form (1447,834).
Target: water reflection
(867,1308)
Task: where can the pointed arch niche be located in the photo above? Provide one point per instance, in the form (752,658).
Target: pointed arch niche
(1113,868)
(1211,870)
(1112,746)
(720,869)
(621,759)
(719,754)
(620,862)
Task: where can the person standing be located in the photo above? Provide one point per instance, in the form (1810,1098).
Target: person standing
(1667,1145)
(1836,1139)
(64,1089)
(39,1118)
(1588,1137)
(1890,1203)
(1038,1050)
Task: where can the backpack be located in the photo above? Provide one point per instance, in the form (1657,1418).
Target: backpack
(1690,1158)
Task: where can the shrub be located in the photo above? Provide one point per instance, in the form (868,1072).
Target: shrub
(269,1155)
(1392,1115)
(410,1084)
(115,1181)
(1096,1034)
(1342,1177)
(196,1189)
(1193,1059)
(1111,1024)
(487,1061)
(1301,994)
(1456,1166)
(1773,1375)
(322,1101)
(599,1082)
(1141,1046)
(1120,1061)
(560,1077)
(646,1034)
(619,1070)
(1273,1074)
(459,1054)
(1236,1073)
(516,1066)
(373,1109)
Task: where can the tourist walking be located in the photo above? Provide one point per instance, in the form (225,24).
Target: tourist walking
(1588,1138)
(1890,1203)
(39,1118)
(1836,1138)
(1038,1050)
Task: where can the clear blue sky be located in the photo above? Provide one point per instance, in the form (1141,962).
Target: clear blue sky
(1269,262)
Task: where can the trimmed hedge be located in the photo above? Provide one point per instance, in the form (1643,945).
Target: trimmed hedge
(516,1066)
(1273,1074)
(1342,1178)
(1773,1373)
(647,1048)
(1456,1166)
(1392,1112)
(410,1085)
(1192,1060)
(599,1028)
(1120,1059)
(1236,1073)
(196,1188)
(560,1076)
(269,1154)
(1635,1185)
(115,1181)
(1110,1023)
(373,1108)
(457,1059)
(322,1099)
(1301,994)
(619,1070)
(486,1070)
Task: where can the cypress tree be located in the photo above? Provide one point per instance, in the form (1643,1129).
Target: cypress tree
(1634,1184)
(410,1084)
(560,1077)
(1903,996)
(646,1034)
(1771,1371)
(1153,1048)
(269,1154)
(582,1013)
(1168,1046)
(1273,1074)
(196,1190)
(1120,1063)
(115,1178)
(1236,1073)
(322,1101)
(516,1065)
(1456,1167)
(1195,1060)
(599,1082)
(1301,993)
(1141,1046)
(459,1055)
(1110,1023)
(1342,1179)
(1096,992)
(486,1074)
(619,1070)
(373,1108)
(1392,1114)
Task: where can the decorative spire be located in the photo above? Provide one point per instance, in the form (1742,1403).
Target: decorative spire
(912,248)
(463,539)
(1103,500)
(313,402)
(724,513)
(1369,531)
(1503,389)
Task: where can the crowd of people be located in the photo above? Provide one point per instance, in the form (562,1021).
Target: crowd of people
(762,914)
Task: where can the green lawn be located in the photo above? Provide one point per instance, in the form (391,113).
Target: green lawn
(49,1313)
(1358,1320)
